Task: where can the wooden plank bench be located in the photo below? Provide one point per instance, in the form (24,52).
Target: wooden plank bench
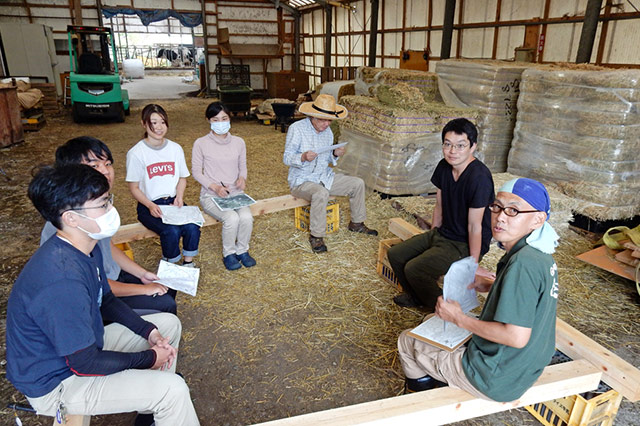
(137,231)
(447,405)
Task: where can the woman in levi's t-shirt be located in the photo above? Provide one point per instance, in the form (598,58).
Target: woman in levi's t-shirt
(219,164)
(157,176)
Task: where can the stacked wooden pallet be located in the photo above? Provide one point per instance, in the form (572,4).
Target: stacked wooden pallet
(50,104)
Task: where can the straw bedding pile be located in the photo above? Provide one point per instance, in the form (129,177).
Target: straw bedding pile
(394,150)
(368,79)
(492,87)
(580,129)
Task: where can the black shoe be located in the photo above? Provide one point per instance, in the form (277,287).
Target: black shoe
(407,301)
(317,244)
(144,420)
(421,384)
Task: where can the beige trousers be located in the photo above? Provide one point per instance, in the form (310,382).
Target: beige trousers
(163,393)
(419,359)
(343,185)
(237,226)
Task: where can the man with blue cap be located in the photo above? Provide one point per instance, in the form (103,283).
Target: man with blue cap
(514,337)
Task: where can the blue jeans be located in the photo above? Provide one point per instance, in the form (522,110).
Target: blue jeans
(170,234)
(144,305)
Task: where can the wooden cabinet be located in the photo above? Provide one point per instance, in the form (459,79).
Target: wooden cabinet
(287,84)
(10,122)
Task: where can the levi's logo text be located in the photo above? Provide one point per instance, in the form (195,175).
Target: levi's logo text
(161,169)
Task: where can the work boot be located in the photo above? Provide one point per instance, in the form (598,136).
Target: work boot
(361,228)
(421,384)
(317,244)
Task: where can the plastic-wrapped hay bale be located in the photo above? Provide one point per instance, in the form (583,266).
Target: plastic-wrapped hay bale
(492,87)
(580,130)
(394,150)
(372,117)
(400,95)
(368,78)
(337,89)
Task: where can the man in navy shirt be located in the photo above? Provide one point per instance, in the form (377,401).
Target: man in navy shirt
(59,354)
(460,219)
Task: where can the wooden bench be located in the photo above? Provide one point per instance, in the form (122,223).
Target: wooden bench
(136,231)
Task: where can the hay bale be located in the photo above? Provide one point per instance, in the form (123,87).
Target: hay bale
(400,95)
(580,129)
(368,78)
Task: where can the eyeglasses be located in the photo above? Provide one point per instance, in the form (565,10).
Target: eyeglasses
(509,211)
(104,206)
(456,147)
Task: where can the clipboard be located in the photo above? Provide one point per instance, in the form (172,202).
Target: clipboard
(432,331)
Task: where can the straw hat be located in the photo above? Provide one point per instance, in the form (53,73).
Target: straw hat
(324,107)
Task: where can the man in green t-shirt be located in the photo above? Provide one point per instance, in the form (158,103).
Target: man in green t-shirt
(514,337)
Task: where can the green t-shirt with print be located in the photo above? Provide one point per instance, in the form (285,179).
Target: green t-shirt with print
(525,293)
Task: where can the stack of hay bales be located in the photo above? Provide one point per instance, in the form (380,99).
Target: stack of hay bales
(394,138)
(492,87)
(580,129)
(368,79)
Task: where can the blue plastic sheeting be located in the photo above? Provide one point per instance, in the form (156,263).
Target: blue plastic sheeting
(148,16)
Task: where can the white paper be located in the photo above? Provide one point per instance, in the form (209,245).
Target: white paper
(329,148)
(178,277)
(458,277)
(433,329)
(174,215)
(233,202)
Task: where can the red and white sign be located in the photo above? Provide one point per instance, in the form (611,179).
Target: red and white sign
(161,169)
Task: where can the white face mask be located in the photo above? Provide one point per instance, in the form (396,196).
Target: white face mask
(221,127)
(108,224)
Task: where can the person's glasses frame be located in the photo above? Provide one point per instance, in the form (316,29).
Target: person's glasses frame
(104,206)
(509,211)
(456,147)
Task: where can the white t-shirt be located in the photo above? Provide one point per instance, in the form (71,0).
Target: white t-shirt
(157,170)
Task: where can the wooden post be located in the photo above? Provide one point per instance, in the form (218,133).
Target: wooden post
(373,33)
(77,11)
(589,29)
(328,35)
(206,47)
(447,29)
(296,43)
(99,10)
(603,32)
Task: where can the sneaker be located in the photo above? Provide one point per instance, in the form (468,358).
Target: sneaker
(246,259)
(421,384)
(317,244)
(191,264)
(407,301)
(231,262)
(362,228)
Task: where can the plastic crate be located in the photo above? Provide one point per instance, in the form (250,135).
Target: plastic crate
(126,248)
(333,217)
(233,75)
(596,408)
(383,267)
(236,98)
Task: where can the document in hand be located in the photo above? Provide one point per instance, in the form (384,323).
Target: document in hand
(174,215)
(329,147)
(234,202)
(178,277)
(432,332)
(457,279)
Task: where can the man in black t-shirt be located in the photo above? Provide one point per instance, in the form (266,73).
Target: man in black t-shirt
(461,221)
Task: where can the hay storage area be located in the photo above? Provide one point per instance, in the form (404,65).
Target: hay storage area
(369,78)
(299,332)
(395,149)
(492,87)
(580,129)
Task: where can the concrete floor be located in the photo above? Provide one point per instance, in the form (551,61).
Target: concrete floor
(159,87)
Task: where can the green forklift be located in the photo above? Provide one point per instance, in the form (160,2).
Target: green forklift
(94,80)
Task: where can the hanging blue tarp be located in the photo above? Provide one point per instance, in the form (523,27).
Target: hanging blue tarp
(148,16)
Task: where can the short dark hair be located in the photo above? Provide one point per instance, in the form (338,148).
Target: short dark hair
(461,126)
(214,109)
(150,109)
(77,150)
(54,190)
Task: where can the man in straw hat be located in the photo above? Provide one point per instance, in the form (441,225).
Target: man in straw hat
(310,176)
(514,337)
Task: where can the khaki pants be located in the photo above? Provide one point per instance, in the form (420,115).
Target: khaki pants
(419,359)
(343,185)
(163,393)
(237,226)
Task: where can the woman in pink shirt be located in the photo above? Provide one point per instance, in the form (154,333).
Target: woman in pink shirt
(219,164)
